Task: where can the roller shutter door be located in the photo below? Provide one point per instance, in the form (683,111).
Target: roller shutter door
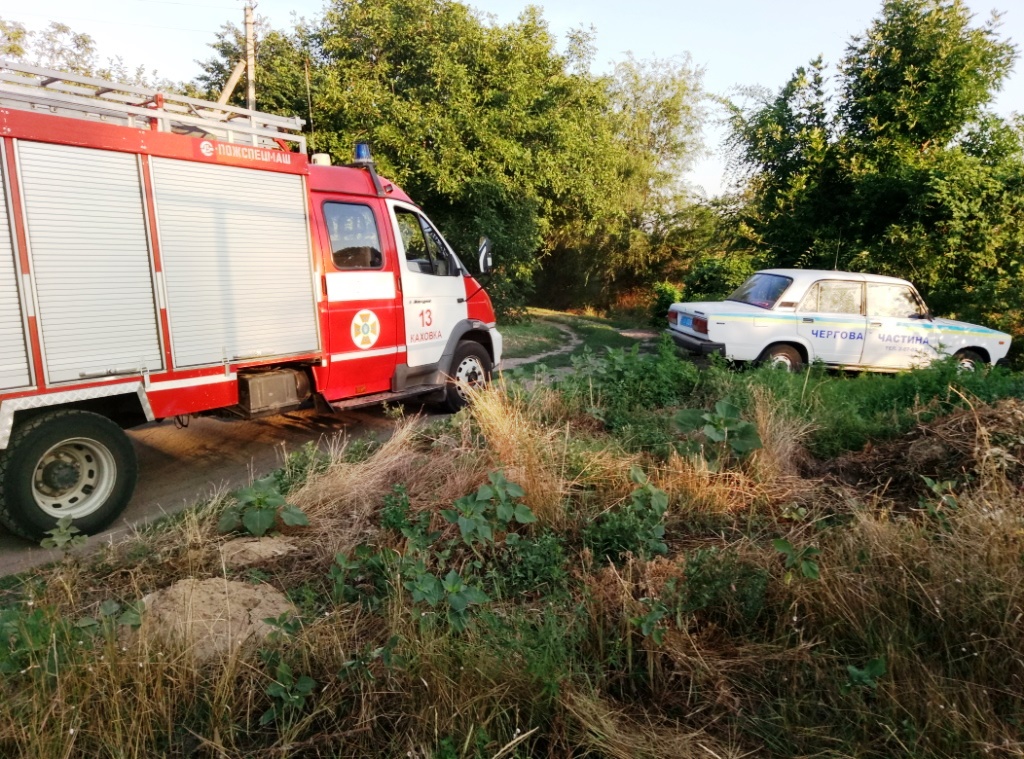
(90,261)
(237,263)
(13,354)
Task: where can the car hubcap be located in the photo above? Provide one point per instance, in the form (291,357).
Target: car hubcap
(74,478)
(470,373)
(966,365)
(782,362)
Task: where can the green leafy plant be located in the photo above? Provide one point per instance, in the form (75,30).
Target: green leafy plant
(802,558)
(493,505)
(362,577)
(637,527)
(258,509)
(866,678)
(288,694)
(453,594)
(64,536)
(649,622)
(111,616)
(724,430)
(942,502)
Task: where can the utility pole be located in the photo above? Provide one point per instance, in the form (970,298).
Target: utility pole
(250,57)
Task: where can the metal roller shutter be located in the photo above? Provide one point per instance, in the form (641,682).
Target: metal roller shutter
(90,261)
(13,353)
(237,264)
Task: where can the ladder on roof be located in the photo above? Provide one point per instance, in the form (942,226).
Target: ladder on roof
(33,88)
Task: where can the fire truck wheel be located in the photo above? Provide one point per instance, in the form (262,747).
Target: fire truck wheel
(471,367)
(65,463)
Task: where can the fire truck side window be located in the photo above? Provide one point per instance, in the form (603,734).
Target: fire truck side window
(424,251)
(355,243)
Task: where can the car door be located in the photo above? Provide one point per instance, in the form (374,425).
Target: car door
(433,290)
(361,302)
(900,335)
(830,317)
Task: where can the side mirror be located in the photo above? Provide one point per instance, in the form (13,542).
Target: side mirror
(484,251)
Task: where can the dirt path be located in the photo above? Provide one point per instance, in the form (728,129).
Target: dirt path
(179,467)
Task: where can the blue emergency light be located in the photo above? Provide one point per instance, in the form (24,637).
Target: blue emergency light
(363,156)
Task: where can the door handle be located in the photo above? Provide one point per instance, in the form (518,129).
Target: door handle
(808,320)
(876,324)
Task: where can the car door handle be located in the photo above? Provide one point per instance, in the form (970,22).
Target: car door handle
(876,324)
(808,321)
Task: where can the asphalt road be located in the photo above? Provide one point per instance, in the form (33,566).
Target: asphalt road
(178,467)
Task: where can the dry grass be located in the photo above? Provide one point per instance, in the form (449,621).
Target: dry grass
(750,658)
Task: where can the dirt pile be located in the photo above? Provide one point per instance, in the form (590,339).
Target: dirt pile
(972,445)
(214,617)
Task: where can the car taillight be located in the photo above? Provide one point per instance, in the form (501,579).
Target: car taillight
(673,317)
(700,324)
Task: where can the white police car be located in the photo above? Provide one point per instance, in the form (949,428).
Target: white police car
(791,317)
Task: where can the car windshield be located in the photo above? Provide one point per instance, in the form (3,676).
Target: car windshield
(761,290)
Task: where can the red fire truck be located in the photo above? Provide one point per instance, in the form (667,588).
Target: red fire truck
(162,256)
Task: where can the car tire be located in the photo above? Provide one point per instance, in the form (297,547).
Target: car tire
(471,367)
(782,357)
(65,463)
(969,361)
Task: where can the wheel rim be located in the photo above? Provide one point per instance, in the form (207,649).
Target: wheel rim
(469,373)
(782,361)
(966,364)
(74,478)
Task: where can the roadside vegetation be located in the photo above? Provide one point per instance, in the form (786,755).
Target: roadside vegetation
(635,559)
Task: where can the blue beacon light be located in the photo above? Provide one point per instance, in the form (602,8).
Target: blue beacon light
(362,155)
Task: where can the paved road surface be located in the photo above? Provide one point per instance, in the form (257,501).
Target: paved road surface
(177,467)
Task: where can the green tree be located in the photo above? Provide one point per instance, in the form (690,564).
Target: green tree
(907,172)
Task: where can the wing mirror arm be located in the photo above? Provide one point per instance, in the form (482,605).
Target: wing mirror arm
(486,262)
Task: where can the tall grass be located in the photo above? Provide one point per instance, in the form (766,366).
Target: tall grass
(777,614)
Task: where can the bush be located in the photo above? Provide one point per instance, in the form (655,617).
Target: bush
(665,294)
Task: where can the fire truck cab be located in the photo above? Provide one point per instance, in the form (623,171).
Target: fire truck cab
(163,256)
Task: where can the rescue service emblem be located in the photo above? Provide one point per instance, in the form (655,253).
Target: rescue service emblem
(365,329)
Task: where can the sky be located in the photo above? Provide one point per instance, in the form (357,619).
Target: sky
(738,43)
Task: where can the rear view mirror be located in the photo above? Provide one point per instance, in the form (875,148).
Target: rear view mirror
(484,251)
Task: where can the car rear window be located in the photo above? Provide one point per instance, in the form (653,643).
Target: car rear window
(761,290)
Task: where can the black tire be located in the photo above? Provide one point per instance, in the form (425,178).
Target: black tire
(970,361)
(65,463)
(782,356)
(470,366)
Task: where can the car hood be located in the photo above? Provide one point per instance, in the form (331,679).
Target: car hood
(977,329)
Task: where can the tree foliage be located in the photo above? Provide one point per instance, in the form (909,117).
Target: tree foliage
(895,165)
(58,46)
(491,128)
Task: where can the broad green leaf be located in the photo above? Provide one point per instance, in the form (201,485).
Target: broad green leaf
(258,521)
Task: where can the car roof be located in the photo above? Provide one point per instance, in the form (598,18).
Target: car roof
(809,276)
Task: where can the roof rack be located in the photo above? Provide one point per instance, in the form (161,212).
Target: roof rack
(33,88)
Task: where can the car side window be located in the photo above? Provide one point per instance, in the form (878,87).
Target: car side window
(355,243)
(834,298)
(424,251)
(894,300)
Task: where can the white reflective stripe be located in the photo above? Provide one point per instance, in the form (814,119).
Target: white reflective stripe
(210,379)
(360,285)
(367,354)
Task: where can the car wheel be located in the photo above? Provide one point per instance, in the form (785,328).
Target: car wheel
(65,464)
(782,357)
(471,367)
(969,361)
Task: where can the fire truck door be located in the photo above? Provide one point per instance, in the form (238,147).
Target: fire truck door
(361,302)
(433,290)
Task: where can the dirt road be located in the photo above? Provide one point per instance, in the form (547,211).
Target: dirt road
(178,467)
